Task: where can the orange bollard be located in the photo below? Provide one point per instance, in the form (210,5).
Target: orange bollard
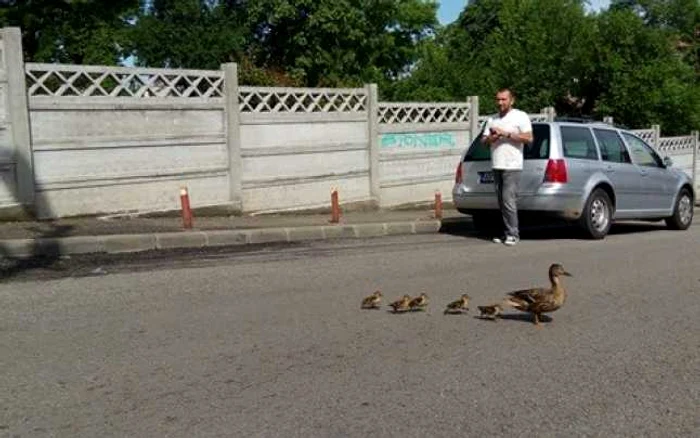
(438,205)
(335,207)
(186,211)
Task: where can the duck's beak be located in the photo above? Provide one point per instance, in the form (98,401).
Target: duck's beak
(567,274)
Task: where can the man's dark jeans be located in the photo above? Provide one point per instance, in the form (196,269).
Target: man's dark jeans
(506,182)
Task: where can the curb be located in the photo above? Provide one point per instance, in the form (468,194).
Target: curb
(130,243)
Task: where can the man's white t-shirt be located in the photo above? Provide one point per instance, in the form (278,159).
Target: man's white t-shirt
(507,154)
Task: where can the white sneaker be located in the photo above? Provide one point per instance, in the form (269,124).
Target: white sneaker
(499,239)
(511,241)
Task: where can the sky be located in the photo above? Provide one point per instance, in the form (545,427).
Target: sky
(450,9)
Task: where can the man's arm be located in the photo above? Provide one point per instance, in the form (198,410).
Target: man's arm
(520,137)
(525,130)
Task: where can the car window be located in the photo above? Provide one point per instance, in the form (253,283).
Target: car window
(578,143)
(642,154)
(478,151)
(538,149)
(611,146)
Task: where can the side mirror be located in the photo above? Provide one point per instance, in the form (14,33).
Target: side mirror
(668,162)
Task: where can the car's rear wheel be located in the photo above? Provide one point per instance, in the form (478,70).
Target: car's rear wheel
(597,215)
(682,212)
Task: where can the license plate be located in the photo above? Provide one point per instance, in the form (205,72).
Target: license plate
(486,177)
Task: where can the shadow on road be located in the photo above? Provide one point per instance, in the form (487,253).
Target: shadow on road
(542,229)
(42,255)
(524,317)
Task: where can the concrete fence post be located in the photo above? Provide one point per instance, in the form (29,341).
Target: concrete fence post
(233,135)
(474,126)
(551,113)
(17,113)
(657,135)
(373,137)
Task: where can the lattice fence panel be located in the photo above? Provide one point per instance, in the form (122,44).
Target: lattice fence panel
(58,80)
(397,113)
(538,117)
(301,100)
(648,135)
(671,144)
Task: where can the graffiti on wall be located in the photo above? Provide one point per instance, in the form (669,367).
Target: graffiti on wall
(427,140)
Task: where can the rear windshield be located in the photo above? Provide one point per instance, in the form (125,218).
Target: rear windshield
(537,150)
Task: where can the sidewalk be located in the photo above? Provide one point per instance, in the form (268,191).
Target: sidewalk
(134,234)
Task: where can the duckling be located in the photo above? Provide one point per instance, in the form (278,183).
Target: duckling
(419,303)
(458,306)
(541,300)
(401,305)
(372,301)
(490,312)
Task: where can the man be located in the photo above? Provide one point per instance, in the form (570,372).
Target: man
(506,134)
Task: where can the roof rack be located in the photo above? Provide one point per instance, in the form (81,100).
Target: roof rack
(588,120)
(576,119)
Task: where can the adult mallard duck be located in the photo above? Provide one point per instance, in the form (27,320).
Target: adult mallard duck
(372,301)
(541,300)
(458,306)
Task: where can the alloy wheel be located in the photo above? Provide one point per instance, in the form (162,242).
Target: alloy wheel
(599,214)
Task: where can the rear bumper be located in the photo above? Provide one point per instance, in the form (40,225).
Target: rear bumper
(547,200)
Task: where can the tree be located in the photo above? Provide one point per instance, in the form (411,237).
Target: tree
(340,42)
(640,78)
(71,31)
(199,34)
(680,18)
(519,44)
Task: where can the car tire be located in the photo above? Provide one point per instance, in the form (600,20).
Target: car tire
(682,212)
(596,218)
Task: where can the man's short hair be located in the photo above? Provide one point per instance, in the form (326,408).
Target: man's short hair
(504,89)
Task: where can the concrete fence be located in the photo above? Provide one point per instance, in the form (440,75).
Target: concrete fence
(85,140)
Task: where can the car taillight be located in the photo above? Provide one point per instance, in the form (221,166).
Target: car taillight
(556,171)
(458,174)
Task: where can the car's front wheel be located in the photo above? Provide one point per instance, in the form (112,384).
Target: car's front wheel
(597,215)
(682,212)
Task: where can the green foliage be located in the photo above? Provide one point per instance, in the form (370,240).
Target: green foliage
(640,76)
(639,61)
(339,42)
(71,31)
(188,34)
(518,44)
(292,42)
(679,18)
(625,62)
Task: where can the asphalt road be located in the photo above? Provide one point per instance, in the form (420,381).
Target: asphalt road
(271,342)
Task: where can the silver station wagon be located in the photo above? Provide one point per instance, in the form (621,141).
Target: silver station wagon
(590,173)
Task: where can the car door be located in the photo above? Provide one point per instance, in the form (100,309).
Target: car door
(581,156)
(658,183)
(535,157)
(478,173)
(622,173)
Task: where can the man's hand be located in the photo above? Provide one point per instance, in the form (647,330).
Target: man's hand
(494,135)
(498,132)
